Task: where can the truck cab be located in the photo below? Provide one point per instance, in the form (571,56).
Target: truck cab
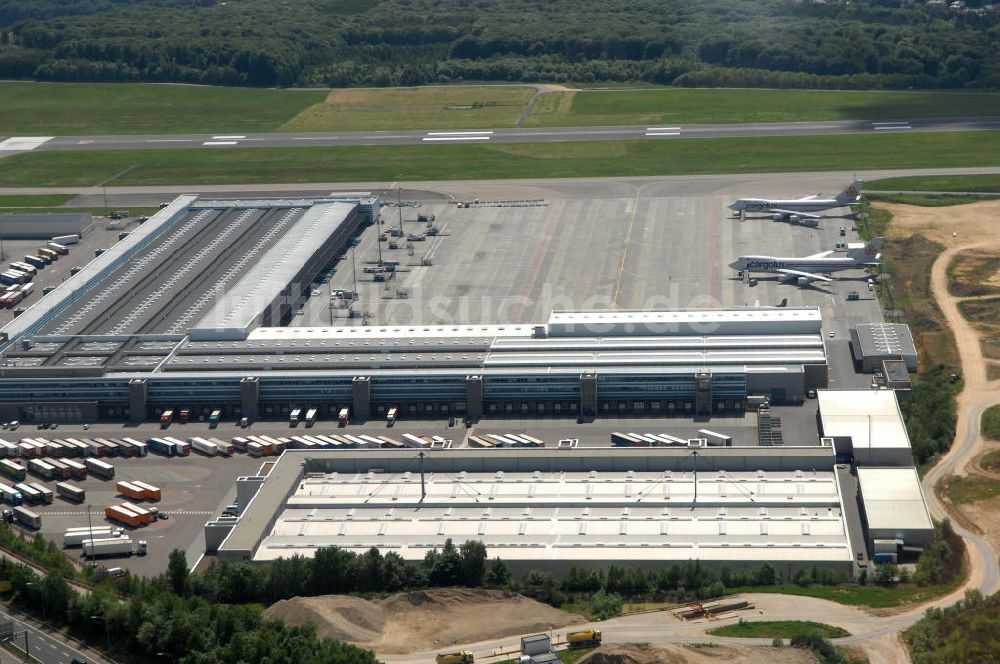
(343,417)
(293,417)
(184,416)
(214,418)
(166,418)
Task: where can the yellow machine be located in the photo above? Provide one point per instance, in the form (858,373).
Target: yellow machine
(463,657)
(582,639)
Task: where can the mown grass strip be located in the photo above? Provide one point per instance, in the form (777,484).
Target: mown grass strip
(777,629)
(502,161)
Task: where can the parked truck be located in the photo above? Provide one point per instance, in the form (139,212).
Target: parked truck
(460,657)
(310,417)
(100,468)
(26,517)
(122,515)
(161,446)
(293,417)
(166,418)
(206,447)
(77,536)
(390,418)
(584,638)
(345,414)
(10,495)
(214,419)
(115,546)
(130,490)
(150,492)
(71,492)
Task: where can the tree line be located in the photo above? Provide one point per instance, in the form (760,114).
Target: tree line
(871,43)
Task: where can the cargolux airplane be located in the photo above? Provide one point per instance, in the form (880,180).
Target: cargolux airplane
(811,268)
(798,209)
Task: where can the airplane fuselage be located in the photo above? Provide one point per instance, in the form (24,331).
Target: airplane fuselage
(812,265)
(798,205)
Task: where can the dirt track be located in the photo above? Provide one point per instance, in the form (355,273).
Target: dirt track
(613,653)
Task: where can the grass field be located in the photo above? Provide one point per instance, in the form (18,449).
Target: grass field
(963,183)
(777,629)
(929,200)
(972,489)
(682,105)
(445,107)
(990,425)
(43,200)
(499,161)
(43,109)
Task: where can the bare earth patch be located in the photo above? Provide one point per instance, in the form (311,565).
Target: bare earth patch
(626,653)
(423,619)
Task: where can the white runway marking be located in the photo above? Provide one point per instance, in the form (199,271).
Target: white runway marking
(663,131)
(458,136)
(220,143)
(225,138)
(168,140)
(878,126)
(22,143)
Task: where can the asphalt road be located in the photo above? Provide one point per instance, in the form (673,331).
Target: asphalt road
(507,135)
(41,646)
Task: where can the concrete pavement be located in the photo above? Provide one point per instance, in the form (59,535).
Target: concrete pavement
(43,644)
(501,135)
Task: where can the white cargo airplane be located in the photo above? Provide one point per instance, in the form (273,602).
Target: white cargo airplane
(797,209)
(811,268)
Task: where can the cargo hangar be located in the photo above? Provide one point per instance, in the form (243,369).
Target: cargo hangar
(189,310)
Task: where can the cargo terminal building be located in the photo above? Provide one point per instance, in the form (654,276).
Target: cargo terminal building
(551,509)
(188,311)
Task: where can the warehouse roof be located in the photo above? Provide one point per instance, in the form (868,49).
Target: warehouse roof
(893,499)
(885,339)
(243,304)
(871,418)
(569,515)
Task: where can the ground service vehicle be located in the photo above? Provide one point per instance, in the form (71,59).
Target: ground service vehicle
(584,638)
(166,418)
(26,517)
(12,470)
(345,413)
(71,492)
(214,418)
(115,546)
(390,418)
(310,417)
(462,657)
(76,536)
(293,417)
(10,495)
(100,468)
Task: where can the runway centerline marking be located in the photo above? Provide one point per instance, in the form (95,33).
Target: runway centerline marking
(663,131)
(220,143)
(225,138)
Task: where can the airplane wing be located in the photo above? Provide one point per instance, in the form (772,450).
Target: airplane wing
(800,215)
(808,275)
(822,254)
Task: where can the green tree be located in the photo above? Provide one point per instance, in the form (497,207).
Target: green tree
(473,555)
(497,574)
(177,572)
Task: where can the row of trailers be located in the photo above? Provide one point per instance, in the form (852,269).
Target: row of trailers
(56,469)
(706,438)
(29,448)
(267,445)
(491,440)
(33,493)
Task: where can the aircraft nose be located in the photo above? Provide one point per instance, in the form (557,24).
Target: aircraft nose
(734,205)
(735,264)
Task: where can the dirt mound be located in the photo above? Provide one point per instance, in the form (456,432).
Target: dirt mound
(614,653)
(423,619)
(336,616)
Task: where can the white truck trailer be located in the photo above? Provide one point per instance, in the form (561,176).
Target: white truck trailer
(77,536)
(114,546)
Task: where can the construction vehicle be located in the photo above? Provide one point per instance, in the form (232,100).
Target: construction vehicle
(584,638)
(461,657)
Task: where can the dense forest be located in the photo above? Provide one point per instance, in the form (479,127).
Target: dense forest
(775,43)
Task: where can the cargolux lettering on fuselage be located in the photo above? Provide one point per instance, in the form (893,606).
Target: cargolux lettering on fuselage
(757,205)
(764,265)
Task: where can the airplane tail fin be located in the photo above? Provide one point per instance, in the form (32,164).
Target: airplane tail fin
(870,253)
(850,195)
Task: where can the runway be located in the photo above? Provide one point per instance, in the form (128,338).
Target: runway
(20,144)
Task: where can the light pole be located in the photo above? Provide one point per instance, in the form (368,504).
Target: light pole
(399,201)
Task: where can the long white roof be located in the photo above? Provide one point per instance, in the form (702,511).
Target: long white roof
(871,418)
(893,499)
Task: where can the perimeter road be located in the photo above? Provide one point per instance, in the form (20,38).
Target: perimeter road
(18,144)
